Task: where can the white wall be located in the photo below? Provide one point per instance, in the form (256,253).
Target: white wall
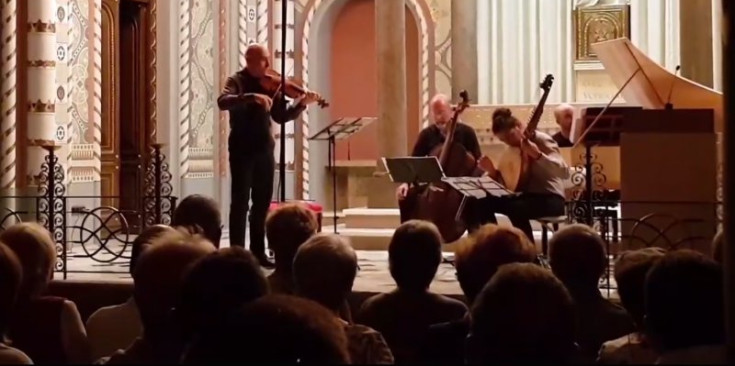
(520,41)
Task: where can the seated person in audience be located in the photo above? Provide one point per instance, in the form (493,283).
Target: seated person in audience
(48,329)
(477,259)
(324,271)
(404,314)
(115,327)
(630,275)
(524,315)
(158,277)
(717,243)
(577,257)
(685,309)
(217,285)
(564,116)
(275,329)
(10,279)
(286,228)
(202,211)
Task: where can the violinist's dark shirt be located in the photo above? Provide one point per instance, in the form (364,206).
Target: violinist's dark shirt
(250,123)
(430,137)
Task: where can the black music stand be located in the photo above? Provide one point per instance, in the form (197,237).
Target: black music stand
(476,187)
(341,129)
(414,170)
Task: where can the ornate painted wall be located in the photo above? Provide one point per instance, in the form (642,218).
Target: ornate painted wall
(196,88)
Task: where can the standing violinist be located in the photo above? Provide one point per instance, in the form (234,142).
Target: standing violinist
(251,146)
(434,136)
(542,194)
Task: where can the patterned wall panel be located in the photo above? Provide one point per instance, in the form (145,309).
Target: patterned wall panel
(441,15)
(64,86)
(196,88)
(83,132)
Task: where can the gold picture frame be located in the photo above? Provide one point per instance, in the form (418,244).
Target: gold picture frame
(596,24)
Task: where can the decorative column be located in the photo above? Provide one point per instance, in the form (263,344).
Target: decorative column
(41,83)
(391,42)
(695,22)
(464,48)
(279,54)
(8,105)
(64,87)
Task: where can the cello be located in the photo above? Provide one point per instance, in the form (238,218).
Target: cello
(439,203)
(513,166)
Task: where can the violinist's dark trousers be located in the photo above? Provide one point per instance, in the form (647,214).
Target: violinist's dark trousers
(520,209)
(252,178)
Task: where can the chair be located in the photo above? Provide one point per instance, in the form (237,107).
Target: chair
(550,222)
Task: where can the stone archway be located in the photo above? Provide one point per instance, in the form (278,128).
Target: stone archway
(318,14)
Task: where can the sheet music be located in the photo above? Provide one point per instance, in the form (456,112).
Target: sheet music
(477,187)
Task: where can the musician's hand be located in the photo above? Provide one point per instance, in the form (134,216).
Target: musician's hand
(261,99)
(310,97)
(531,149)
(487,165)
(402,191)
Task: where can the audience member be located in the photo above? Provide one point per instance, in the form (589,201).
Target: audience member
(217,285)
(477,259)
(11,275)
(577,257)
(324,271)
(275,329)
(286,228)
(404,314)
(48,329)
(717,243)
(685,309)
(158,278)
(202,211)
(116,327)
(523,316)
(630,275)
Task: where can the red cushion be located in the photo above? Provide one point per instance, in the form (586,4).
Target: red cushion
(312,205)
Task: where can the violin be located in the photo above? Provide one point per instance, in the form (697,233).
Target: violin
(273,82)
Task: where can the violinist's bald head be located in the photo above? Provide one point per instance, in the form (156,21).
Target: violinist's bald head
(256,59)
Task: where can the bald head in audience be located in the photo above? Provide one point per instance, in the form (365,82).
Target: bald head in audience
(478,258)
(324,270)
(159,275)
(200,211)
(523,315)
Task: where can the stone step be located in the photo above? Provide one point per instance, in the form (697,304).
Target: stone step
(371,239)
(371,218)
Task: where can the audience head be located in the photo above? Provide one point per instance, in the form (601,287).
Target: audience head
(144,240)
(36,251)
(324,270)
(414,255)
(523,315)
(274,329)
(159,275)
(507,128)
(11,275)
(577,257)
(202,211)
(717,243)
(684,302)
(564,115)
(288,227)
(478,258)
(441,111)
(218,284)
(630,275)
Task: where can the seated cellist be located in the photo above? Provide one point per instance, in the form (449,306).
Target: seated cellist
(433,136)
(542,192)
